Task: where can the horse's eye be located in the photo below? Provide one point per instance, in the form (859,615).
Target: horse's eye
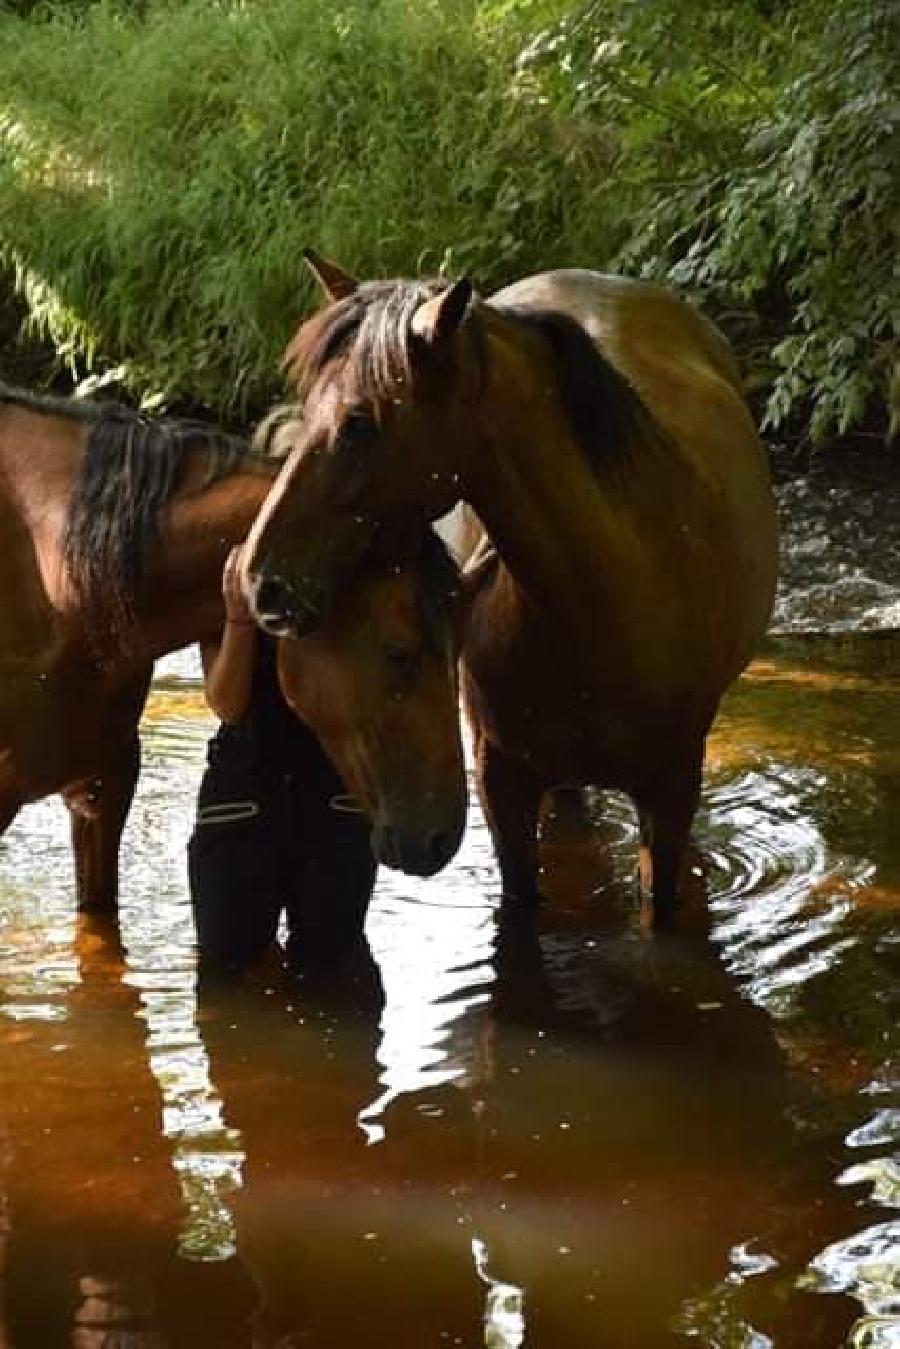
(404,662)
(357,429)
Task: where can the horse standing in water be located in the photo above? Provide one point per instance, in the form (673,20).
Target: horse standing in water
(113,533)
(597,427)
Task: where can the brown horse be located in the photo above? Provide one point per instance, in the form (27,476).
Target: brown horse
(113,533)
(598,429)
(378,682)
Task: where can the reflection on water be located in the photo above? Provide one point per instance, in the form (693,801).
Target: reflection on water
(504,1322)
(579,1137)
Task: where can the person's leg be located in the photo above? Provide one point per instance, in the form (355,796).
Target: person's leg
(331,885)
(235,877)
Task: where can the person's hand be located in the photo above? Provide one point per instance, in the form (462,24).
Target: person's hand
(237,610)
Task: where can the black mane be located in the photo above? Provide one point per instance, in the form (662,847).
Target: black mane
(132,465)
(440,588)
(607,414)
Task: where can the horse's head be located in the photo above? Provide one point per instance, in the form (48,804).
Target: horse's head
(377,683)
(386,374)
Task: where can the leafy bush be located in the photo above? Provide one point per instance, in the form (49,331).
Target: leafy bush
(154,207)
(157,205)
(758,159)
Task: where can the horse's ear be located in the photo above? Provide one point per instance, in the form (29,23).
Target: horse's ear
(336,284)
(437,320)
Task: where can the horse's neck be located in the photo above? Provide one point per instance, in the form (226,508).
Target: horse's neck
(578,545)
(552,523)
(181,600)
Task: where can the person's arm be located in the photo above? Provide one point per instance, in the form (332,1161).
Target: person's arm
(228,663)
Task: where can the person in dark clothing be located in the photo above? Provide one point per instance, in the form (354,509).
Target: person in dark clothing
(272,832)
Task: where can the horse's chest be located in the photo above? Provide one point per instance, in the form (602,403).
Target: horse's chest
(538,696)
(528,699)
(567,741)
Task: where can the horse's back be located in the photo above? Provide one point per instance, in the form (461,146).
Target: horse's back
(633,322)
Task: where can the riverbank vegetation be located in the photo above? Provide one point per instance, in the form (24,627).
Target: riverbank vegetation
(162,164)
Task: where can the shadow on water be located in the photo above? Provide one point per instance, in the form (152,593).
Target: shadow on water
(547,1138)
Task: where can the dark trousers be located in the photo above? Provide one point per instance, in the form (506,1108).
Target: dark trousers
(268,843)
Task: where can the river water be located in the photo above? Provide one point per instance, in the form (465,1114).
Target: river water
(589,1139)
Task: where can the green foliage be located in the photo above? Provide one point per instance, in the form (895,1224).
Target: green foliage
(758,159)
(156,206)
(162,164)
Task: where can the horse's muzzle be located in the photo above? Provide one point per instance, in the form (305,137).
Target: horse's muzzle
(280,609)
(416,854)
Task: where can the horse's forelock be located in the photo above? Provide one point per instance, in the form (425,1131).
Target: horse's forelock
(318,342)
(369,332)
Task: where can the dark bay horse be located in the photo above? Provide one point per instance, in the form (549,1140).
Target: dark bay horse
(113,532)
(597,427)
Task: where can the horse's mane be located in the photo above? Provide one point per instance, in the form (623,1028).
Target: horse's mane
(372,328)
(606,413)
(75,409)
(132,465)
(277,433)
(439,588)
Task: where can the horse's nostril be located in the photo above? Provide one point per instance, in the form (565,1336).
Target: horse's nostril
(384,847)
(412,852)
(439,846)
(272,595)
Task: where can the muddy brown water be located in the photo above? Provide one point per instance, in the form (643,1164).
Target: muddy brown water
(592,1138)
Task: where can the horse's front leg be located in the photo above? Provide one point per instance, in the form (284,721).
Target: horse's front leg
(97,812)
(510,793)
(10,805)
(665,837)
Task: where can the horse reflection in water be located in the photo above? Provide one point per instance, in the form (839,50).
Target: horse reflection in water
(614,1119)
(113,532)
(92,1227)
(597,427)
